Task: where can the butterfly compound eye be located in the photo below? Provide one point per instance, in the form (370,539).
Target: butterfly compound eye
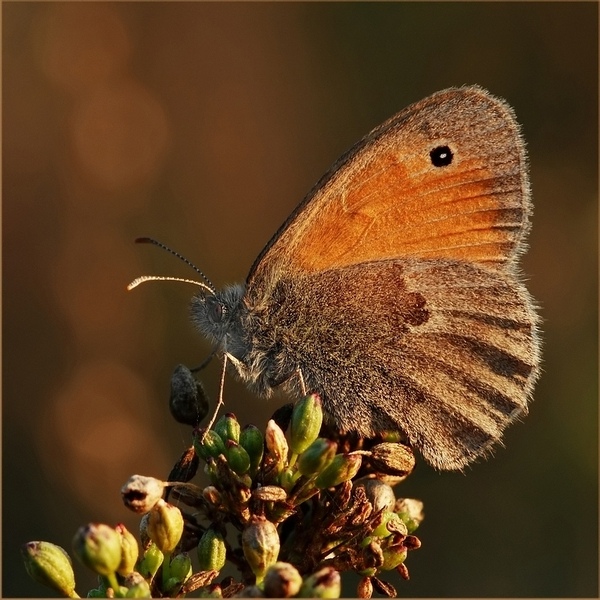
(441,156)
(215,309)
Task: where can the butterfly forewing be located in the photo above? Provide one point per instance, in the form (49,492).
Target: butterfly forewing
(386,199)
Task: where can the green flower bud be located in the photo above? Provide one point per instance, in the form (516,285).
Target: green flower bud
(287,479)
(237,457)
(51,566)
(208,444)
(392,557)
(325,583)
(211,551)
(282,580)
(342,468)
(137,586)
(390,522)
(260,542)
(228,428)
(180,567)
(172,587)
(277,446)
(411,512)
(98,547)
(141,493)
(307,419)
(317,456)
(252,440)
(129,550)
(165,526)
(152,560)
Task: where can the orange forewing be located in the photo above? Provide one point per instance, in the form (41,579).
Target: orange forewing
(385,199)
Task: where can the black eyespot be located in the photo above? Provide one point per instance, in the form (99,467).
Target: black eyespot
(441,156)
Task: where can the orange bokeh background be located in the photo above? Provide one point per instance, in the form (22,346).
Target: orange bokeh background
(203,125)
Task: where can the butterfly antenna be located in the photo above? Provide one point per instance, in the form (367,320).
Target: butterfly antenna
(147,240)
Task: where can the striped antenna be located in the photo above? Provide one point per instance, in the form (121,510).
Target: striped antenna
(146,240)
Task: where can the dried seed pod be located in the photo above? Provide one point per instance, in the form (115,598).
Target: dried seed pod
(188,402)
(260,543)
(140,493)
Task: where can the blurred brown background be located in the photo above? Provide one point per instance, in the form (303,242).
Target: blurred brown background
(203,125)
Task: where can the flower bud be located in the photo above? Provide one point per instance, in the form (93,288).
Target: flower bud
(137,586)
(378,493)
(342,468)
(253,442)
(165,526)
(411,512)
(208,444)
(307,419)
(392,557)
(98,547)
(180,567)
(277,446)
(260,542)
(152,560)
(287,479)
(237,457)
(317,456)
(325,583)
(282,580)
(141,493)
(51,566)
(211,551)
(228,428)
(188,402)
(129,550)
(390,522)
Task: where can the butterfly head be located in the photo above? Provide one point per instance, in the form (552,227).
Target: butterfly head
(217,314)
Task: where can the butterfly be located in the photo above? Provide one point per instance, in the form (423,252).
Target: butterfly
(393,290)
